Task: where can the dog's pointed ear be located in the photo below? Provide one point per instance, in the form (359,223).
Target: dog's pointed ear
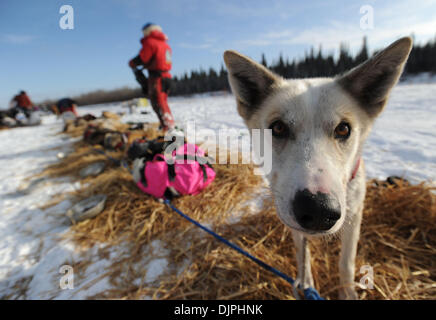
(371,82)
(250,81)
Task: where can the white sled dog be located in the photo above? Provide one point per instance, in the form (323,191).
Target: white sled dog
(318,128)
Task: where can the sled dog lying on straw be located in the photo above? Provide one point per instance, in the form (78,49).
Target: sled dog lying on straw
(318,130)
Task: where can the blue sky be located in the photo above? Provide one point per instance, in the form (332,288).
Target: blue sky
(38,56)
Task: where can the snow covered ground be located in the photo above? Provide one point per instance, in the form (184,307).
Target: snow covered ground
(32,243)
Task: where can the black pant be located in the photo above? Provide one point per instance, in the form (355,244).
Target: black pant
(142,80)
(16,110)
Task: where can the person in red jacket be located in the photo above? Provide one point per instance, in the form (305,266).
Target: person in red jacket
(22,104)
(155,56)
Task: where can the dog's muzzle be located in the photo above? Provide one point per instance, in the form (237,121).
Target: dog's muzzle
(316,212)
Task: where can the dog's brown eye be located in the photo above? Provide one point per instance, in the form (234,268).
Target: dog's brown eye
(279,129)
(342,131)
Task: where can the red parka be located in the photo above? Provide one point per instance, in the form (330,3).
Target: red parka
(23,101)
(156,53)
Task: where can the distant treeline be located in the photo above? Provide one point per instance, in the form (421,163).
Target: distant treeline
(102,96)
(199,82)
(314,64)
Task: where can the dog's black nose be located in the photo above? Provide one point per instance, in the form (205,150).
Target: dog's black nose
(318,212)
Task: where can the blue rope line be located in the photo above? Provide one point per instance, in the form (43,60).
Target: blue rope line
(309,293)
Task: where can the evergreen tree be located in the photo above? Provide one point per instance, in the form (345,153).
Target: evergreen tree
(263,61)
(345,61)
(422,59)
(363,54)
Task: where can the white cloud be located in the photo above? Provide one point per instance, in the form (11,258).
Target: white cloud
(390,23)
(208,42)
(195,45)
(17,39)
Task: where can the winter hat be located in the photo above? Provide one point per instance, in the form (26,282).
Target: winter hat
(149,27)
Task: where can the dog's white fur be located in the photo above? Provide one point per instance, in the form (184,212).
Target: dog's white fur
(312,158)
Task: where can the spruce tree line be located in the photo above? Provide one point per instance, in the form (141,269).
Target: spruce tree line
(422,59)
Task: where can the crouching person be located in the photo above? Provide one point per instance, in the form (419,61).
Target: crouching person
(67,105)
(67,109)
(21,103)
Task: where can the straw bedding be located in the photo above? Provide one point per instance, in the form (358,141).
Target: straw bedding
(398,238)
